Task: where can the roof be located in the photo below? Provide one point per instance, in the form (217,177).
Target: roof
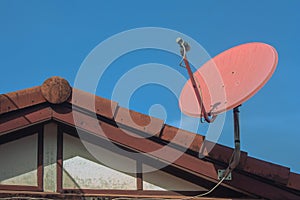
(33,106)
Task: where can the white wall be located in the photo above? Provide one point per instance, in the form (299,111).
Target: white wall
(160,180)
(19,161)
(82,170)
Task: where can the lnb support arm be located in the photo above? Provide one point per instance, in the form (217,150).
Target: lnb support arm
(208,118)
(184,47)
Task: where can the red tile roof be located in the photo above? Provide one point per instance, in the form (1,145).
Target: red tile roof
(257,177)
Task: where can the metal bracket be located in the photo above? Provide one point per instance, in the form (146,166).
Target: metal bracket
(221,173)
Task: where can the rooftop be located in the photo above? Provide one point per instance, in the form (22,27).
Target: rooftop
(52,101)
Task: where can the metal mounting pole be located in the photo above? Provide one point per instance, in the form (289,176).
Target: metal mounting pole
(235,159)
(237,142)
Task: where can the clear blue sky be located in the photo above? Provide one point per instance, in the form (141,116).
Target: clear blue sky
(40,39)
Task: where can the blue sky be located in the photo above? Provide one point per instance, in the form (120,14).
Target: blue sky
(40,39)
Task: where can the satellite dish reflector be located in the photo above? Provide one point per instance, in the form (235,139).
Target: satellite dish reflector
(224,83)
(229,79)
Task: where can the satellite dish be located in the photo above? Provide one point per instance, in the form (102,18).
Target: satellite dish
(238,72)
(224,83)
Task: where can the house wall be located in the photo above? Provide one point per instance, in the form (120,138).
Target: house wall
(160,180)
(80,169)
(19,161)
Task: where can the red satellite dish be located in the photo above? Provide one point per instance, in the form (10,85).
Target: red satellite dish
(224,83)
(229,79)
